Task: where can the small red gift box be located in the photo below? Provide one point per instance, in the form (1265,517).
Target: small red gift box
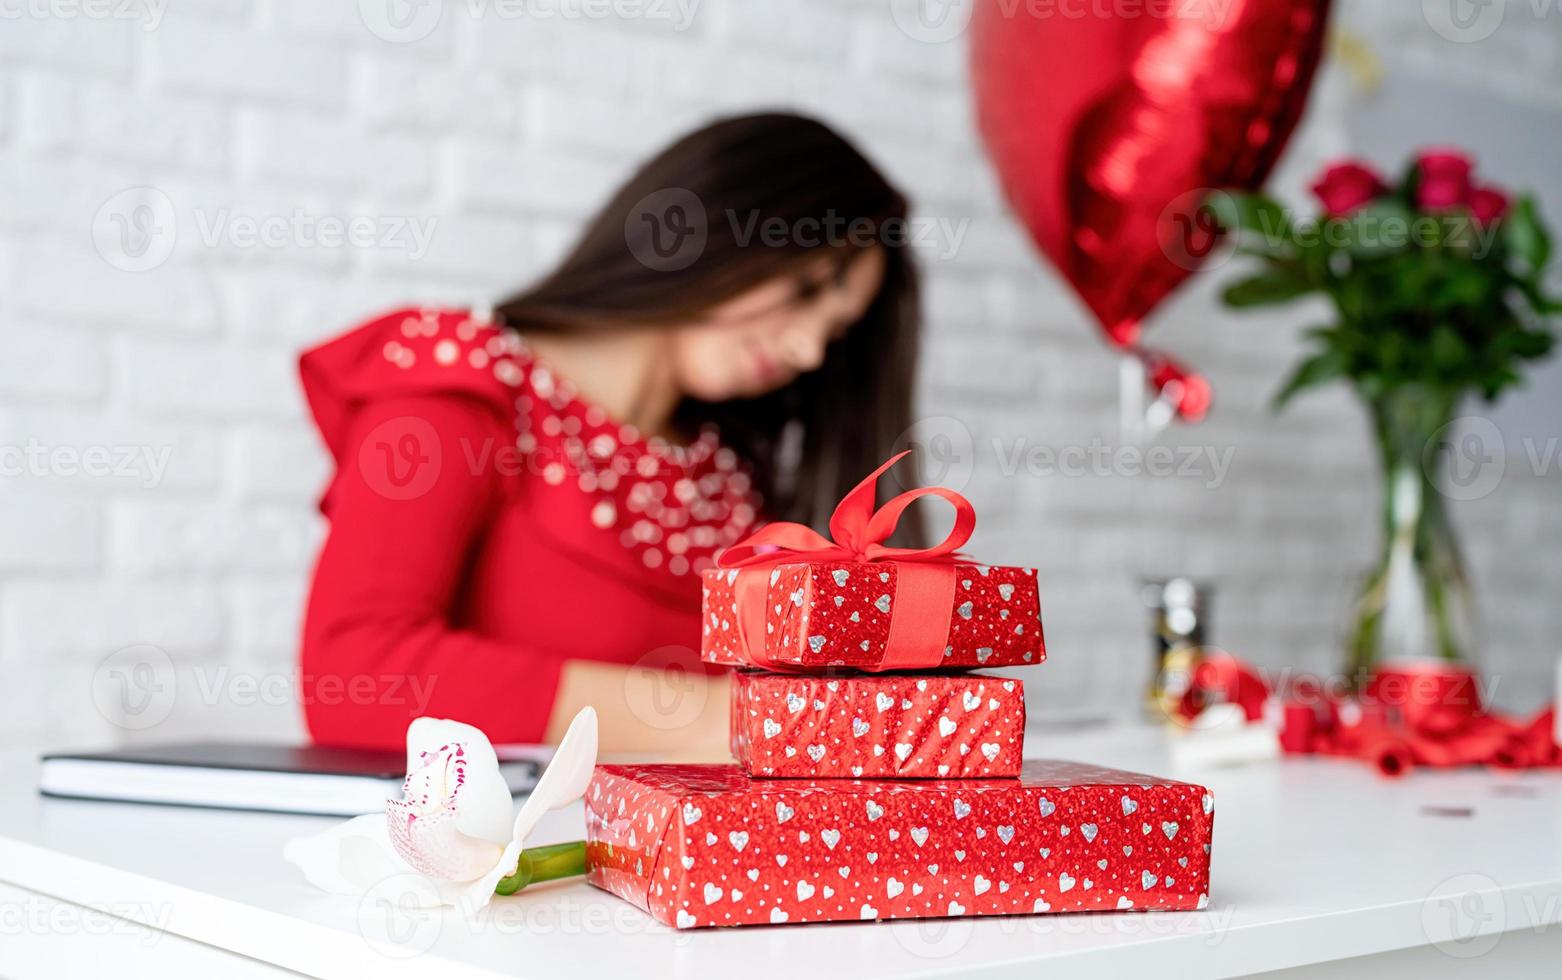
(878,725)
(787,598)
(711,846)
(841,614)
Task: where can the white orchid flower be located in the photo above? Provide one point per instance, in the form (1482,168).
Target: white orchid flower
(453,825)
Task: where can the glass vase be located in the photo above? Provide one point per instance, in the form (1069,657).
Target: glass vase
(1416,603)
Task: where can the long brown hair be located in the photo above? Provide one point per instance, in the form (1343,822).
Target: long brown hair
(713,194)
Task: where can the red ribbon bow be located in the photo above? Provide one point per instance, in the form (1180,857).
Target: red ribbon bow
(925,579)
(857,529)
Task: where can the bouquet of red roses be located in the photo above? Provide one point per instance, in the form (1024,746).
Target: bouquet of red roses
(1436,279)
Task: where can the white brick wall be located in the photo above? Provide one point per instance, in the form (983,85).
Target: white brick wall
(501,132)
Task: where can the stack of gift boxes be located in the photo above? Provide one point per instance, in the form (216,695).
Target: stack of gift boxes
(879,771)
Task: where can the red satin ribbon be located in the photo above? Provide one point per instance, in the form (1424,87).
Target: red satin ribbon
(923,599)
(1427,715)
(1408,715)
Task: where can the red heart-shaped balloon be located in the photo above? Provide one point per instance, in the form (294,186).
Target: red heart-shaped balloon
(1109,124)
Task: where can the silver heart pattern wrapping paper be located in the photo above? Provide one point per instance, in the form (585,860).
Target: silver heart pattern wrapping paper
(824,614)
(711,846)
(878,726)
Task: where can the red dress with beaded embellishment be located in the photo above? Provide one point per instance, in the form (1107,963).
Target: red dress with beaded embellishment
(487,524)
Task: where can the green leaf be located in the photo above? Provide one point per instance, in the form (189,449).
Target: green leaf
(1457,284)
(1276,285)
(1530,344)
(1394,354)
(1538,300)
(1310,373)
(1248,212)
(1409,182)
(1381,228)
(1499,379)
(1449,351)
(1525,234)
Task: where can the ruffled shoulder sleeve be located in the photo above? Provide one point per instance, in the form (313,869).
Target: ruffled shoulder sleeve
(414,351)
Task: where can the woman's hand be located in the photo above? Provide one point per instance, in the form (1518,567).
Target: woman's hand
(660,713)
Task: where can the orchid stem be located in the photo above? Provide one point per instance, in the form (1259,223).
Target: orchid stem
(544,864)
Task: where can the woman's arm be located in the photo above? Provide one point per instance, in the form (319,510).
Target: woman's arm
(406,509)
(668,715)
(379,650)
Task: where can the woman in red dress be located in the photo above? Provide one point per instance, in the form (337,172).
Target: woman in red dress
(524,499)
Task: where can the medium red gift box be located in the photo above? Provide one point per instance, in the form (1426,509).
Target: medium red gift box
(878,725)
(703,845)
(787,598)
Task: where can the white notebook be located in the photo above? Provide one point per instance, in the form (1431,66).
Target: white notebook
(241,776)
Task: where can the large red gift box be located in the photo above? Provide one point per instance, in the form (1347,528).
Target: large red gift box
(710,846)
(878,725)
(839,614)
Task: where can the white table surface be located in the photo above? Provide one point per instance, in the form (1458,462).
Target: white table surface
(1313,861)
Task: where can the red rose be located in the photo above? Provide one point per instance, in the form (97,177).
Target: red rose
(1346,186)
(1488,204)
(1445,180)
